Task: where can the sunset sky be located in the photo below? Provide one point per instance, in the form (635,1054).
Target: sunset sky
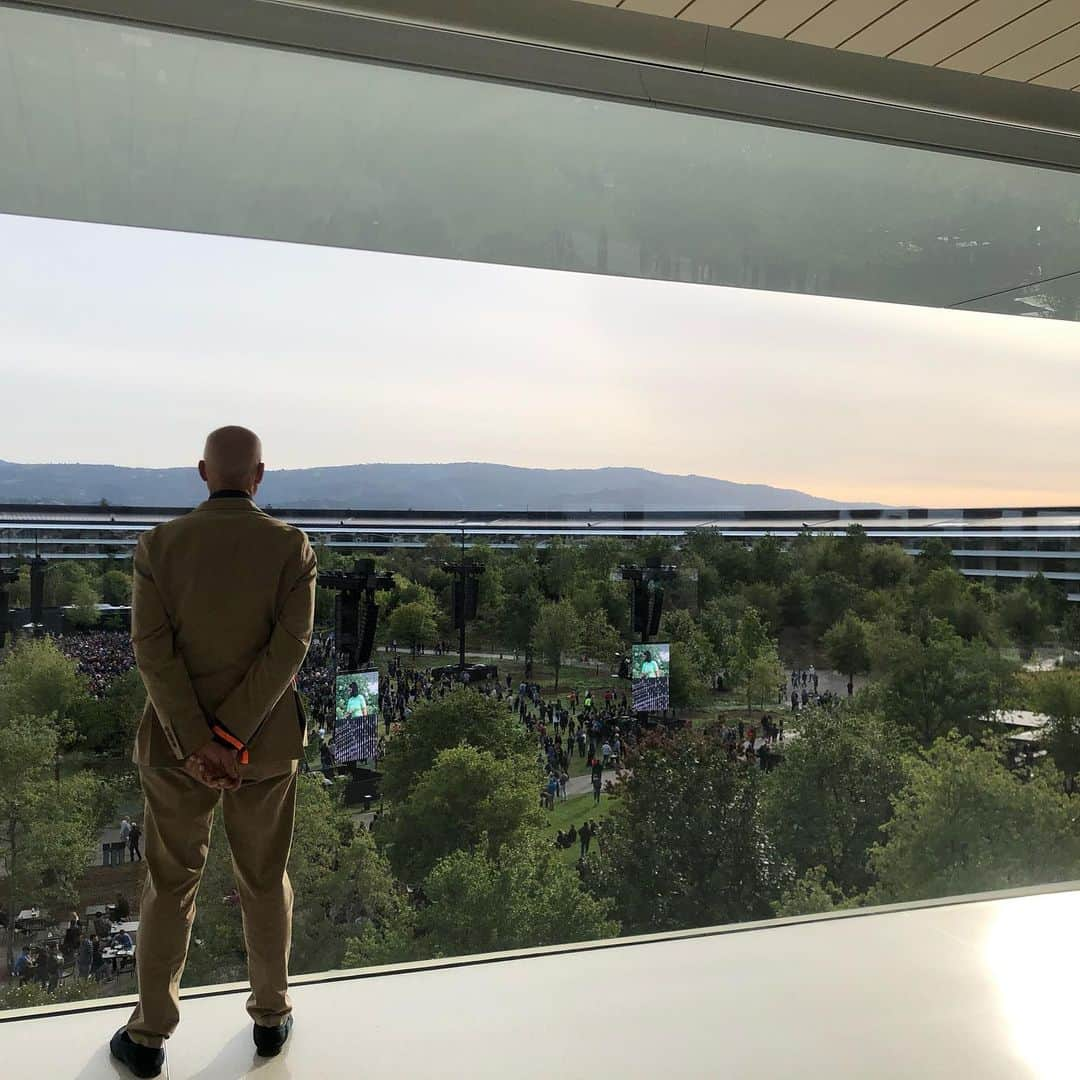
(126,346)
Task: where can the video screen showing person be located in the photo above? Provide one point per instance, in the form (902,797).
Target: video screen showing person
(356,717)
(650,672)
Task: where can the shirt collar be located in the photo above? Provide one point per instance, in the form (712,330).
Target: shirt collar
(229,493)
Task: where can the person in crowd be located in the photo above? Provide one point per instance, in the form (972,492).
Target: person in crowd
(85,958)
(597,785)
(121,909)
(72,937)
(123,940)
(585,836)
(24,964)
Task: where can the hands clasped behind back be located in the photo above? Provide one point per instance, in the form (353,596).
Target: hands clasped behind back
(214,765)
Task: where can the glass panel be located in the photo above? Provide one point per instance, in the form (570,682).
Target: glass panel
(115,124)
(683,606)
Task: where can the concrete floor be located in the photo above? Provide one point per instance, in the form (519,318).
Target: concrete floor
(982,990)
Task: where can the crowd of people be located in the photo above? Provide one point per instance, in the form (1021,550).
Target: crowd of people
(90,950)
(101,656)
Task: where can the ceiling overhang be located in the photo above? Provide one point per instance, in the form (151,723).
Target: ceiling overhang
(555,134)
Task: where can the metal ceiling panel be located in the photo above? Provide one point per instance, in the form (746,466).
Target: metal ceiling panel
(779,17)
(841,20)
(1065,77)
(903,24)
(967,26)
(667,8)
(1029,30)
(1042,59)
(718,12)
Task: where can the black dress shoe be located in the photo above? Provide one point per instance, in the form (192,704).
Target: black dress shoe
(270,1040)
(143,1061)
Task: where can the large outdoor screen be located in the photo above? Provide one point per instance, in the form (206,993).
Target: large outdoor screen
(356,717)
(650,670)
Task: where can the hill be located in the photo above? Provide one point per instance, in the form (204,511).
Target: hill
(468,485)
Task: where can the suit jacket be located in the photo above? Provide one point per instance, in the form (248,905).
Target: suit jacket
(222,613)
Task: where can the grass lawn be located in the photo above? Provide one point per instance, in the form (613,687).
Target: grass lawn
(574,812)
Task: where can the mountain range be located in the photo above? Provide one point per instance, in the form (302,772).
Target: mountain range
(462,485)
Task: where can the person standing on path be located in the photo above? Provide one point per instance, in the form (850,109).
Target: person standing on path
(125,836)
(134,837)
(222,612)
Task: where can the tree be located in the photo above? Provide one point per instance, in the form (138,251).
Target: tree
(462,718)
(414,624)
(693,659)
(1057,694)
(599,638)
(763,676)
(37,679)
(522,896)
(557,633)
(560,566)
(1070,628)
(755,665)
(963,823)
(825,805)
(83,613)
(847,645)
(467,797)
(48,828)
(116,588)
(938,683)
(685,844)
(108,726)
(831,595)
(811,894)
(1024,619)
(523,597)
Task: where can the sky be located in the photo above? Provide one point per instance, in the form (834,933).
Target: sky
(125,346)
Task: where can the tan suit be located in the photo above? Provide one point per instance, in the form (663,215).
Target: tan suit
(222,613)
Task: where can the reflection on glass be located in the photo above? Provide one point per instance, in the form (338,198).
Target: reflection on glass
(115,124)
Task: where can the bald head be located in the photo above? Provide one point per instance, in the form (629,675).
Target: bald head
(232,460)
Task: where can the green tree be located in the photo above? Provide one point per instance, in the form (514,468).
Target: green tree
(560,566)
(414,624)
(37,679)
(831,595)
(83,613)
(108,726)
(963,823)
(755,665)
(811,894)
(468,796)
(685,844)
(599,638)
(48,828)
(825,805)
(521,897)
(693,660)
(557,634)
(939,683)
(116,588)
(462,718)
(1057,695)
(1024,619)
(1070,628)
(847,645)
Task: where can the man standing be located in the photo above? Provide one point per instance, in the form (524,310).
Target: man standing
(222,615)
(134,838)
(125,836)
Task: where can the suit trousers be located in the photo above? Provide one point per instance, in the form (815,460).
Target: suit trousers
(258,819)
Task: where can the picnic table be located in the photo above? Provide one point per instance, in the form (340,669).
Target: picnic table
(118,957)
